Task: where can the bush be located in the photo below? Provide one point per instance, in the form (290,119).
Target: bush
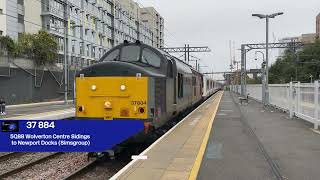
(8,43)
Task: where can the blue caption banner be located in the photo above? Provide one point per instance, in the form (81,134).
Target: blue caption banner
(65,135)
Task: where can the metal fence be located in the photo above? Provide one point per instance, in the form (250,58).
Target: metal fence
(299,99)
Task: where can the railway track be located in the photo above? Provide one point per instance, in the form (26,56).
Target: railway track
(28,165)
(82,170)
(87,170)
(104,170)
(5,156)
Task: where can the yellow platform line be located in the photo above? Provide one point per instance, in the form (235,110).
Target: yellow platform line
(196,166)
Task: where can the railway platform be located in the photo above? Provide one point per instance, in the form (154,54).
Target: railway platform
(222,139)
(40,111)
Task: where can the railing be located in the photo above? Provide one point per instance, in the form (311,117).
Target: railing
(299,99)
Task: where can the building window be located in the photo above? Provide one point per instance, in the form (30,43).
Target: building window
(21,2)
(88,47)
(81,48)
(1,32)
(101,40)
(20,18)
(1,11)
(73,46)
(100,52)
(93,52)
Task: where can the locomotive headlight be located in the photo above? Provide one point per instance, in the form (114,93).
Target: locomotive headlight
(122,87)
(93,87)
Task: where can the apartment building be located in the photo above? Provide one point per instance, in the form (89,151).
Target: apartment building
(89,26)
(92,26)
(12,14)
(128,25)
(154,20)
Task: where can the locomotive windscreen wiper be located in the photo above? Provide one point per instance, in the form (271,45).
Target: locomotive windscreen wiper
(145,59)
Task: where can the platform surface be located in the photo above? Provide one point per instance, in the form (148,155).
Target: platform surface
(174,155)
(233,151)
(38,111)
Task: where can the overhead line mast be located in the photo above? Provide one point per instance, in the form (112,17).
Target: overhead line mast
(187,50)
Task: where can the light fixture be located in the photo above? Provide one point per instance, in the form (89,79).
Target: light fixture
(122,87)
(93,87)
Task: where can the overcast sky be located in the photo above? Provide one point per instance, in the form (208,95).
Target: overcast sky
(213,23)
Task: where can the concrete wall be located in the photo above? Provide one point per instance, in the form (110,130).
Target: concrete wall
(20,86)
(32,14)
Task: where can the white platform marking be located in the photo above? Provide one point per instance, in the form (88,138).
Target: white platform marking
(226,110)
(221,114)
(137,157)
(195,121)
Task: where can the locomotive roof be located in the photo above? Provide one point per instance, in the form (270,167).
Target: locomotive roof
(164,53)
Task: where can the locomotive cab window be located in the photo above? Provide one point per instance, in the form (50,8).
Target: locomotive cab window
(130,53)
(151,58)
(113,56)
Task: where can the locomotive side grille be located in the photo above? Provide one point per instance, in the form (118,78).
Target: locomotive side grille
(160,94)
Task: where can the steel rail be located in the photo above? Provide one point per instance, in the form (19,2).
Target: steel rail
(26,166)
(8,155)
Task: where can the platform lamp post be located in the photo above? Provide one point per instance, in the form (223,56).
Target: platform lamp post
(265,86)
(263,73)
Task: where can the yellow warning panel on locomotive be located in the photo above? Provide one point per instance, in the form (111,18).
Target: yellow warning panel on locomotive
(112,97)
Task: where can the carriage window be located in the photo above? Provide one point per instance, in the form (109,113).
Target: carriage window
(180,85)
(151,58)
(113,56)
(130,53)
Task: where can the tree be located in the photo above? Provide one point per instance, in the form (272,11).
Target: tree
(45,48)
(25,44)
(296,66)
